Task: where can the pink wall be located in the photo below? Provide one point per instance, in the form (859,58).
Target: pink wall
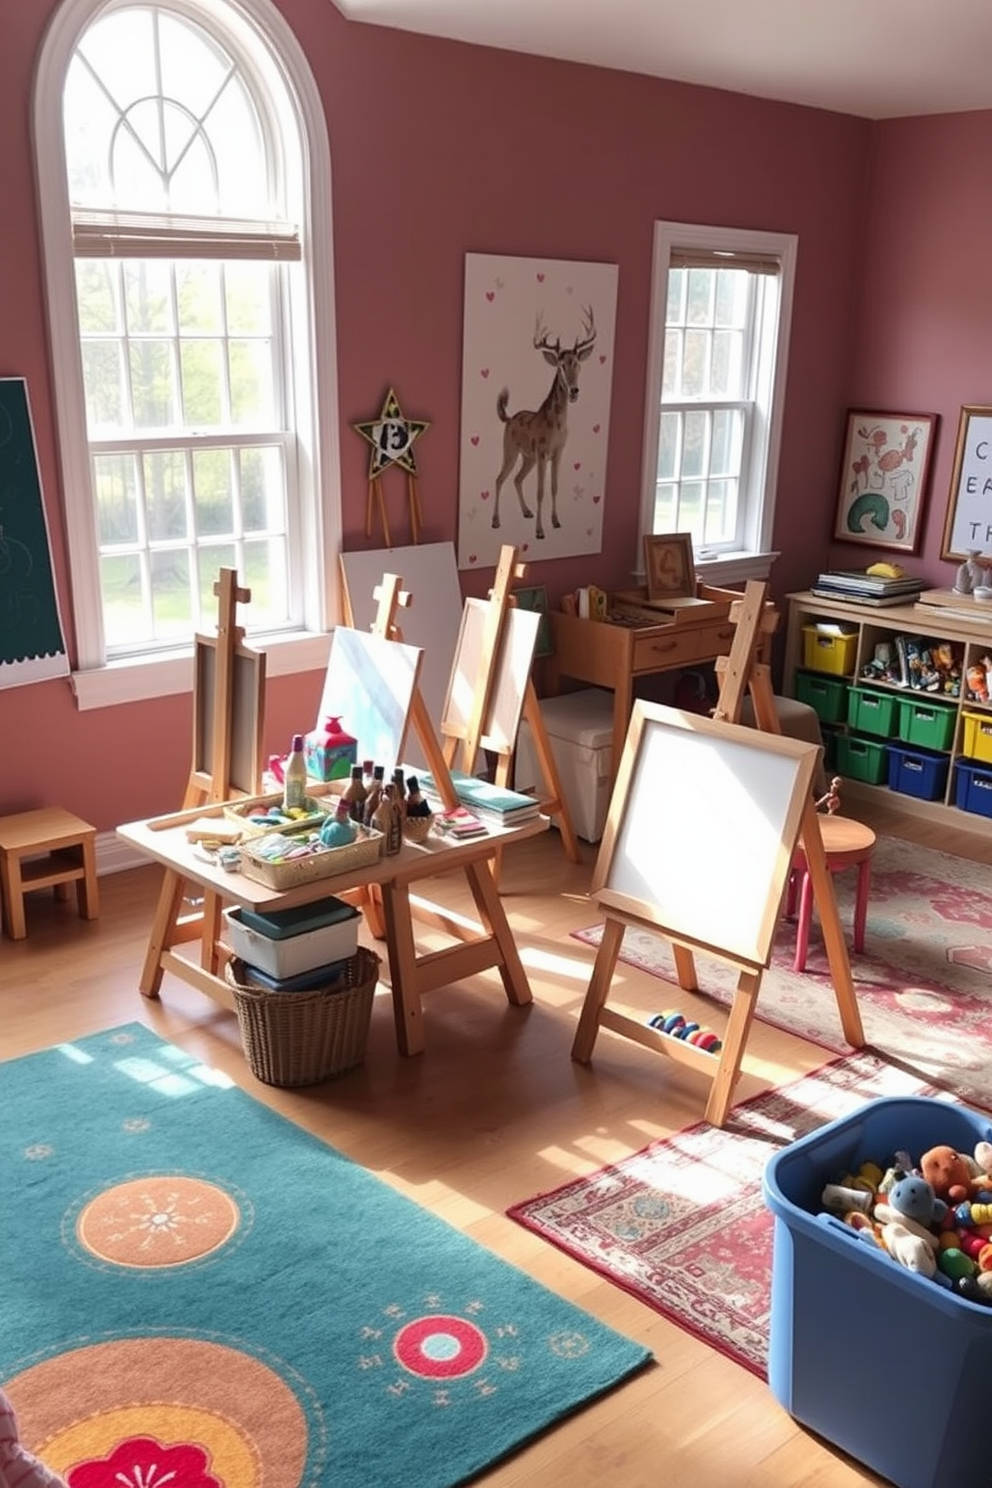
(439,149)
(925,314)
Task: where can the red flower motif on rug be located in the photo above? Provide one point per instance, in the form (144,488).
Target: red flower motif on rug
(142,1462)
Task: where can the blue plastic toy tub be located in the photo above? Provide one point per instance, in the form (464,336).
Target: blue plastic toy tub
(887,1365)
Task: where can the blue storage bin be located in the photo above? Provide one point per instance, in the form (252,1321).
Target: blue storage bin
(885,1364)
(914,772)
(973,788)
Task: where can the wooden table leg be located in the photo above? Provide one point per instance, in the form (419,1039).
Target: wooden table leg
(508,963)
(162,937)
(861,903)
(407,1010)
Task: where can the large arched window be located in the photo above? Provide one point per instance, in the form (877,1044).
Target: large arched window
(184,181)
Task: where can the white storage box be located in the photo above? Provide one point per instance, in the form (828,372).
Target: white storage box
(579,726)
(328,932)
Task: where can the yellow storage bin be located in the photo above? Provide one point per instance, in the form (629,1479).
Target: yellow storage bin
(977,736)
(829,650)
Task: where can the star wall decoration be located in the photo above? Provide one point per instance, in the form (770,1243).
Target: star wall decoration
(392,438)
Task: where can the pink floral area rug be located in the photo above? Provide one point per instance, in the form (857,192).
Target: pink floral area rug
(682,1224)
(923,983)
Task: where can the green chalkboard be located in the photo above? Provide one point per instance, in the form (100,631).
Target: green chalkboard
(31,643)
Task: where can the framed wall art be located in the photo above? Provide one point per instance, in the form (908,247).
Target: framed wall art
(968,524)
(883,479)
(537,379)
(669,567)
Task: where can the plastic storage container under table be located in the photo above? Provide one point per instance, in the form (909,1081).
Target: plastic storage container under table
(290,941)
(579,726)
(885,1364)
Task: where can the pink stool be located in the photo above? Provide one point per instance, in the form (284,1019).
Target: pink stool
(846,844)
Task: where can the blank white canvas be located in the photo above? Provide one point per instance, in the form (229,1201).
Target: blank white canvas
(430,574)
(703,839)
(512,673)
(369,687)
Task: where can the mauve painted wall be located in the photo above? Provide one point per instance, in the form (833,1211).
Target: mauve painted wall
(925,322)
(439,149)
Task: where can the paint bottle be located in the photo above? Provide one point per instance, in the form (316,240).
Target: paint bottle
(294,790)
(372,799)
(354,794)
(415,803)
(399,789)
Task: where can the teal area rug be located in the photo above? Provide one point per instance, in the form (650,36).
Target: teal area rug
(199,1293)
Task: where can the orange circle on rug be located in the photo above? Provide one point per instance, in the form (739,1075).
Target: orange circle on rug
(207,1412)
(160,1220)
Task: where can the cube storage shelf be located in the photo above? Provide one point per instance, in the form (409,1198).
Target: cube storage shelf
(919,1427)
(927,749)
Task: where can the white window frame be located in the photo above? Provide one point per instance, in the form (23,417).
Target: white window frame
(758,494)
(258,26)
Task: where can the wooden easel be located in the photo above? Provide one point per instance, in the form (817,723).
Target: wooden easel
(235,704)
(489,944)
(216,716)
(739,671)
(474,735)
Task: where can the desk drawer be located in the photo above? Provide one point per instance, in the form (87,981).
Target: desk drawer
(672,649)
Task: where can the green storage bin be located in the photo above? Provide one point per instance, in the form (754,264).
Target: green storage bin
(827,695)
(928,724)
(873,712)
(862,759)
(830,737)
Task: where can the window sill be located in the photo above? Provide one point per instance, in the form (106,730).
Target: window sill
(135,681)
(735,568)
(729,568)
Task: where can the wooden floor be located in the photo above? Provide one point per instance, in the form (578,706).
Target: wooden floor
(493,1112)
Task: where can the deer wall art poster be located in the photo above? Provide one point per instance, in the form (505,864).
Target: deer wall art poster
(537,373)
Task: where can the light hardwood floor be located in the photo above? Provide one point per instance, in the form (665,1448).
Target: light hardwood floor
(493,1112)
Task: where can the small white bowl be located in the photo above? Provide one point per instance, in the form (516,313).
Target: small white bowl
(983,593)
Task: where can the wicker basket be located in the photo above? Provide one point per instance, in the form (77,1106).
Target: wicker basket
(302,1038)
(417,828)
(293,872)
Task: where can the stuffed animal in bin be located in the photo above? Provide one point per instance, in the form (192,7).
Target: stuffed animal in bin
(954,1176)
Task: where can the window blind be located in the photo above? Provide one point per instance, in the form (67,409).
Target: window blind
(146,235)
(698,258)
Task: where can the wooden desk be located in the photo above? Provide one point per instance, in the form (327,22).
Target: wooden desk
(412,974)
(603,654)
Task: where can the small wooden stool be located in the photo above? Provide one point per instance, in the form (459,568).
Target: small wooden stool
(847,844)
(44,849)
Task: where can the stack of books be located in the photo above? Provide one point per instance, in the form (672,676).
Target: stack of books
(488,801)
(857,586)
(459,823)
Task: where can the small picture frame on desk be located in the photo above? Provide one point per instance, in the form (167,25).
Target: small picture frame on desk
(669,567)
(535,597)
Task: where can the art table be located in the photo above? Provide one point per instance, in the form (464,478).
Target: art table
(413,973)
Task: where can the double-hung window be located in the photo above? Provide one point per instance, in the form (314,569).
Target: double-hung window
(721,307)
(179,149)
